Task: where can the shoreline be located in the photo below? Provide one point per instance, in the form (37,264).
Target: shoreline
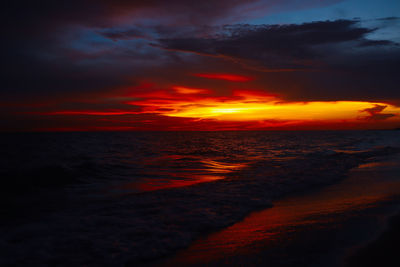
(324,228)
(147,226)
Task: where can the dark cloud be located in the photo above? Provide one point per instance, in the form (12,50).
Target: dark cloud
(376,43)
(42,44)
(375,110)
(59,53)
(30,77)
(42,49)
(389,18)
(276,45)
(105,12)
(336,59)
(375,113)
(130,34)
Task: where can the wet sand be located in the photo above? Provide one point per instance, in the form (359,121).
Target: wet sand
(382,251)
(330,227)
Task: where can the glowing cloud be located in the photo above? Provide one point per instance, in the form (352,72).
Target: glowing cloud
(187,90)
(247,106)
(187,108)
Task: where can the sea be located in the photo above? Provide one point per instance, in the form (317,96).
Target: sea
(127,198)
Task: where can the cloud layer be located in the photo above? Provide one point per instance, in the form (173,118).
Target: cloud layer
(68,55)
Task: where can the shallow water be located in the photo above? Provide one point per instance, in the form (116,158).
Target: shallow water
(314,229)
(119,198)
(149,161)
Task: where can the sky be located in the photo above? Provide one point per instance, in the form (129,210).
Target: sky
(200,65)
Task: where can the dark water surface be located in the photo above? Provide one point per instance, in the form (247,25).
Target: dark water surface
(320,228)
(123,198)
(156,160)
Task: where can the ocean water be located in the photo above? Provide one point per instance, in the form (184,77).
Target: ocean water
(120,198)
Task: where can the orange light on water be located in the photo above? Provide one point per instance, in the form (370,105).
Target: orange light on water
(293,216)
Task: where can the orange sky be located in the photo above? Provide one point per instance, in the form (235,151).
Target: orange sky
(201,65)
(181,107)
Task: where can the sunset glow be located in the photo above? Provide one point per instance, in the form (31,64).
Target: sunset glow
(187,90)
(132,129)
(153,65)
(253,106)
(240,109)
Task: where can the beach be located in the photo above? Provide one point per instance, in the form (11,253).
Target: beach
(200,133)
(382,251)
(346,224)
(194,198)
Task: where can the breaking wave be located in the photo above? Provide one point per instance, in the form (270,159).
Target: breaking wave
(93,225)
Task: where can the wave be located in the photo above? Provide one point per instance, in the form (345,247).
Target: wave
(133,228)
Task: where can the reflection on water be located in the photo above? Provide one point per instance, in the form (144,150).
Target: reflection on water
(158,161)
(77,167)
(180,170)
(222,167)
(367,186)
(146,161)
